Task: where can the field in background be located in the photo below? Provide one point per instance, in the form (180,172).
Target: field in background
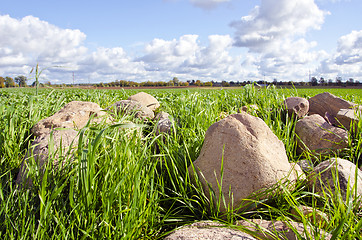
(131,191)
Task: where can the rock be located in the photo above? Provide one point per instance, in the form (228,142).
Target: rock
(324,177)
(67,139)
(319,136)
(348,118)
(296,105)
(131,107)
(316,217)
(73,115)
(253,158)
(249,109)
(207,230)
(146,100)
(327,102)
(306,166)
(265,229)
(164,123)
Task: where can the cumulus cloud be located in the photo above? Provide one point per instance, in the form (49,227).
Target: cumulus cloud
(347,60)
(207,4)
(276,20)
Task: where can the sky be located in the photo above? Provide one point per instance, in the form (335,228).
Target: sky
(156,40)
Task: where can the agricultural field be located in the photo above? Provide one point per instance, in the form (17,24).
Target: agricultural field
(126,183)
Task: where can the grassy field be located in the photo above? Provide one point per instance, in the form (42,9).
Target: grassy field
(128,190)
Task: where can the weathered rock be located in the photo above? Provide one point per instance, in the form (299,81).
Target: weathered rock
(164,123)
(75,114)
(66,139)
(280,230)
(146,100)
(207,230)
(306,166)
(348,118)
(253,158)
(316,217)
(325,175)
(317,135)
(327,102)
(131,107)
(297,106)
(249,108)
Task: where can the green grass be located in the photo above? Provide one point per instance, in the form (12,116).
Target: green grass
(118,186)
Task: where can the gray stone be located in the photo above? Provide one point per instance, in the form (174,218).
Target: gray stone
(131,107)
(325,174)
(253,158)
(296,106)
(207,230)
(164,123)
(348,118)
(146,100)
(317,135)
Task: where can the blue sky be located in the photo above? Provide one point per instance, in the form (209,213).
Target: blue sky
(141,40)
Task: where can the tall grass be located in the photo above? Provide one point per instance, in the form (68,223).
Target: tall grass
(124,182)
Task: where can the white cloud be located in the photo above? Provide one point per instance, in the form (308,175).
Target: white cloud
(207,4)
(347,60)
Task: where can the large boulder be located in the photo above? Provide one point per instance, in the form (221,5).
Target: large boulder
(317,135)
(146,100)
(131,107)
(63,142)
(271,229)
(325,175)
(296,105)
(328,103)
(253,158)
(348,118)
(75,114)
(207,230)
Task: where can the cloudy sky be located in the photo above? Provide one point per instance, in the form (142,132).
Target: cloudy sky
(141,40)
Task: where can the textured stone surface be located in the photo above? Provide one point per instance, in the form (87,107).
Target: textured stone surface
(146,100)
(208,230)
(348,118)
(253,157)
(297,106)
(164,123)
(67,139)
(327,102)
(279,230)
(132,107)
(316,134)
(315,216)
(325,175)
(73,115)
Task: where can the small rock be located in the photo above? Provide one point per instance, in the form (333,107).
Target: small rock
(132,107)
(296,105)
(249,108)
(207,230)
(348,118)
(146,100)
(319,136)
(279,229)
(306,166)
(164,123)
(327,102)
(75,114)
(316,217)
(67,139)
(324,177)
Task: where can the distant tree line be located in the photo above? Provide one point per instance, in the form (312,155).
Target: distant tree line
(21,81)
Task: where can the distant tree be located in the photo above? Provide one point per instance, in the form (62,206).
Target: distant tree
(321,81)
(350,82)
(225,84)
(175,81)
(198,83)
(21,80)
(330,82)
(2,82)
(208,84)
(9,82)
(339,81)
(313,81)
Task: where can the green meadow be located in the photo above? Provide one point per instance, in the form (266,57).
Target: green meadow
(121,186)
